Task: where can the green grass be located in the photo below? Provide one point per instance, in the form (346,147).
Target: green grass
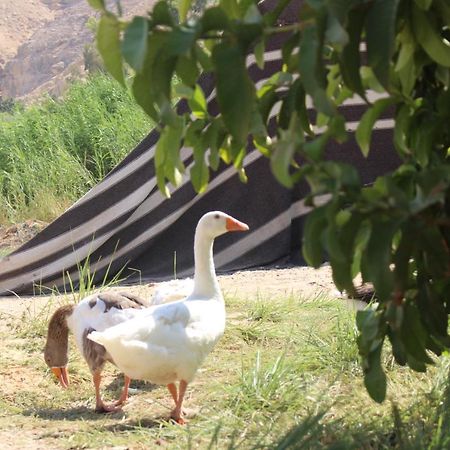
(285,375)
(53,152)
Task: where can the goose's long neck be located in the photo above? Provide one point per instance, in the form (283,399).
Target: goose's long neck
(205,280)
(58,335)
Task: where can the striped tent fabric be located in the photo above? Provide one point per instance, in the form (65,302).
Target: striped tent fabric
(125,226)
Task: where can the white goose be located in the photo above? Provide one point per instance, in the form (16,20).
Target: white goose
(96,312)
(168,342)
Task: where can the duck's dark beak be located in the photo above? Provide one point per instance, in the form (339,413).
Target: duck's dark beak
(62,375)
(236,225)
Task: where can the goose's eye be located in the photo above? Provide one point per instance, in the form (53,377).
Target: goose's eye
(217,216)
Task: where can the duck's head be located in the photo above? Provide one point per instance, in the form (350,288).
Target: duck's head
(56,347)
(216,223)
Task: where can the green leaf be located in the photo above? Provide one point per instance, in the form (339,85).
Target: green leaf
(231,8)
(433,245)
(247,34)
(284,150)
(214,19)
(315,148)
(315,224)
(429,38)
(203,57)
(331,238)
(413,334)
(415,365)
(407,48)
(312,71)
(432,310)
(361,241)
(235,90)
(162,15)
(401,130)
(97,4)
(365,126)
(349,62)
(408,77)
(134,45)
(376,259)
(187,70)
(181,41)
(288,106)
(398,349)
(380,35)
(199,171)
(335,33)
(368,324)
(252,15)
(422,137)
(144,97)
(281,160)
(374,376)
(144,88)
(300,107)
(370,81)
(259,53)
(183,8)
(257,126)
(213,138)
(197,103)
(443,9)
(167,155)
(266,103)
(423,4)
(346,233)
(401,259)
(287,50)
(108,44)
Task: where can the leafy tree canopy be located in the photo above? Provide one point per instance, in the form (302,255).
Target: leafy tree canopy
(396,233)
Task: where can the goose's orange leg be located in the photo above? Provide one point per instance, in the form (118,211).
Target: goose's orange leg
(124,396)
(177,413)
(173,390)
(100,405)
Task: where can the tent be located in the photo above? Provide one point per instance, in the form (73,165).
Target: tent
(124,225)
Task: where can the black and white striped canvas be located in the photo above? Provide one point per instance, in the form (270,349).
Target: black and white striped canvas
(125,224)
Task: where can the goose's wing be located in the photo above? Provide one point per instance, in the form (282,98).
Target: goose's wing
(157,324)
(170,291)
(107,309)
(122,300)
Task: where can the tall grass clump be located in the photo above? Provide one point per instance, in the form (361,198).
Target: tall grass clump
(53,152)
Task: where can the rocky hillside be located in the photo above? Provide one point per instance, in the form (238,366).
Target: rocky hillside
(42,43)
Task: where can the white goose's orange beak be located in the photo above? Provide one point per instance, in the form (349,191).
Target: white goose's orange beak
(236,225)
(62,375)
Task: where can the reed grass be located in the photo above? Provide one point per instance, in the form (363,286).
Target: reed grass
(54,151)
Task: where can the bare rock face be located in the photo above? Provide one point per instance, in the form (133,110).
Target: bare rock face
(46,43)
(18,22)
